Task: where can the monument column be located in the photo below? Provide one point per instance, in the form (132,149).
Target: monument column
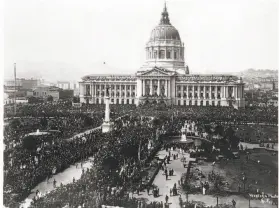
(107,125)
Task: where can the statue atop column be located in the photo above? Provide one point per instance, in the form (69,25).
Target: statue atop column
(107,92)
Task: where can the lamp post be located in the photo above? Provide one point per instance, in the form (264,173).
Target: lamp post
(244,179)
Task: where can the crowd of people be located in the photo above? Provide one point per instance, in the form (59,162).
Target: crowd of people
(118,156)
(117,166)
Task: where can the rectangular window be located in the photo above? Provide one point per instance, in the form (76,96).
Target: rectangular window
(207,103)
(168,54)
(127,101)
(133,101)
(213,103)
(184,102)
(218,88)
(112,100)
(162,54)
(202,88)
(190,102)
(175,55)
(201,103)
(178,103)
(196,102)
(195,88)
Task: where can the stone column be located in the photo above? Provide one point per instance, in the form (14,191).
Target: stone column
(150,86)
(158,89)
(143,81)
(125,91)
(95,90)
(210,92)
(169,88)
(199,91)
(216,92)
(166,88)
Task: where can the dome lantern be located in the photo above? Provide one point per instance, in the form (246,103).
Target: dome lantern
(165,17)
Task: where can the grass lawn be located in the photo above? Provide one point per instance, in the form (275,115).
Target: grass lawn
(259,176)
(255,132)
(260,173)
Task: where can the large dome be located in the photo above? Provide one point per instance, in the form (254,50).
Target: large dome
(164,31)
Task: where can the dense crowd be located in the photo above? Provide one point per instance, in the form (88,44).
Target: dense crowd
(118,156)
(117,166)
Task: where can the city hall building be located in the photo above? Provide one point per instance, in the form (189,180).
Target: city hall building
(164,77)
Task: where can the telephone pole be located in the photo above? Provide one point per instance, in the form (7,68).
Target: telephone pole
(15,89)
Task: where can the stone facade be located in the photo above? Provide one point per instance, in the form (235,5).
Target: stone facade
(164,77)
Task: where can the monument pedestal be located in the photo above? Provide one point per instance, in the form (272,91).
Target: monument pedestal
(106,127)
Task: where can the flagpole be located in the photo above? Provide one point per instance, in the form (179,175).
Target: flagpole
(15,89)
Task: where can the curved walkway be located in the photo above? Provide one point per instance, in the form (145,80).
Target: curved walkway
(65,177)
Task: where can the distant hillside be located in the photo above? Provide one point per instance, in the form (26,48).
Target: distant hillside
(259,73)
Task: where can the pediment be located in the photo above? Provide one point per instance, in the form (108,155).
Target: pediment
(157,72)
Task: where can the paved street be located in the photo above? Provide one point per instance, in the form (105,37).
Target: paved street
(165,185)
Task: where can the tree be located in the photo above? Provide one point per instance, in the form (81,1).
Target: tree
(15,123)
(218,187)
(44,122)
(30,143)
(231,138)
(219,130)
(49,98)
(76,99)
(33,100)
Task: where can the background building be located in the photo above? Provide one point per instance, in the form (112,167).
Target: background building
(164,77)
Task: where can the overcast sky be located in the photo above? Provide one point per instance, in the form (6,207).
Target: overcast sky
(66,39)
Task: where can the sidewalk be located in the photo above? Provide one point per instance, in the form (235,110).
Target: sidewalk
(64,177)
